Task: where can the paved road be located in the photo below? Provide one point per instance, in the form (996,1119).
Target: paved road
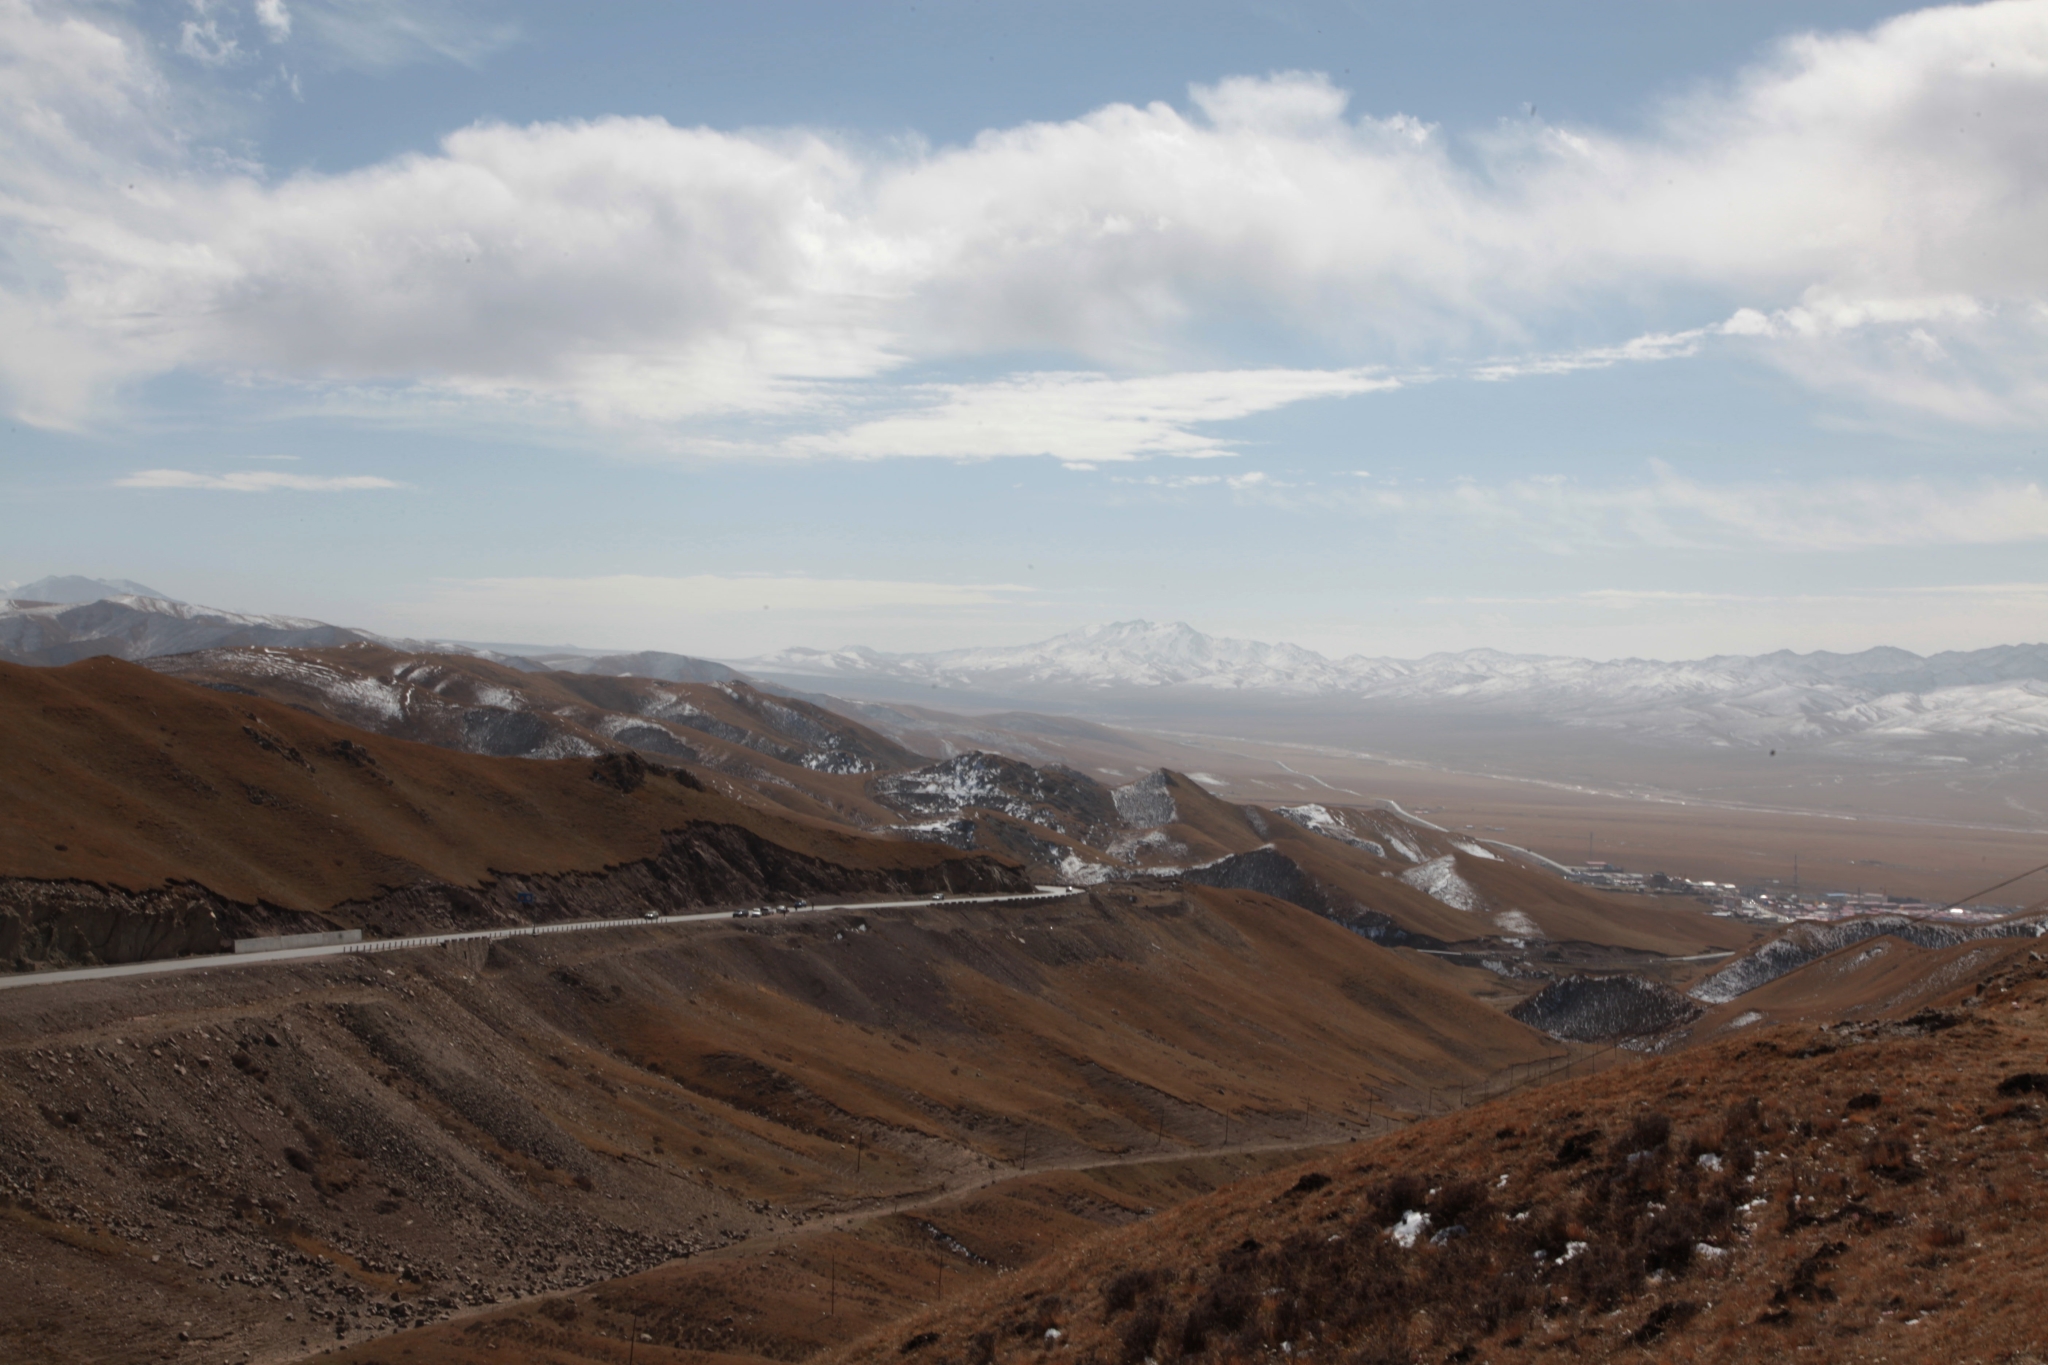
(385,945)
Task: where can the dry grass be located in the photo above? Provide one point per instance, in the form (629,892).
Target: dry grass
(1748,1200)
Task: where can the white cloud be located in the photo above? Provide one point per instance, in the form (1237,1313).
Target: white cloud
(628,271)
(1670,510)
(255,481)
(1084,419)
(203,42)
(376,35)
(275,18)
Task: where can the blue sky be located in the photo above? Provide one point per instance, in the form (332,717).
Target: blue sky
(1604,329)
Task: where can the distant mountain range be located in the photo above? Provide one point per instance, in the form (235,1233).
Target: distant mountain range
(1880,702)
(71,589)
(60,620)
(1880,697)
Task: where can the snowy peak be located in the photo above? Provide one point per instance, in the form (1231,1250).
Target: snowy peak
(1137,654)
(1886,697)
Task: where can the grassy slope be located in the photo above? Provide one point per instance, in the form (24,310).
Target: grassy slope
(542,1113)
(1878,1197)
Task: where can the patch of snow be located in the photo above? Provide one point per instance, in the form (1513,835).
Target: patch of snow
(1076,871)
(1403,846)
(1157,841)
(1321,820)
(837,761)
(1412,1225)
(953,833)
(1518,924)
(1476,850)
(1438,878)
(1710,1161)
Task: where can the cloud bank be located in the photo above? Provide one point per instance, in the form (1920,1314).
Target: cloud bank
(1870,208)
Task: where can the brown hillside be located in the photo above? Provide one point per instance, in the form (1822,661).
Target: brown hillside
(1879,978)
(1565,913)
(115,776)
(776,751)
(376,1141)
(1861,1192)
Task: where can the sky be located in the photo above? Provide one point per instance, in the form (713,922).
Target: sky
(1608,329)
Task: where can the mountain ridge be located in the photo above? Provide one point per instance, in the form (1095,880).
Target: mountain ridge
(1883,697)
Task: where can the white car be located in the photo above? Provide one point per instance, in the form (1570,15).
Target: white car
(938,895)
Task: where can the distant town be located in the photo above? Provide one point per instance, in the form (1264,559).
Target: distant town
(1775,905)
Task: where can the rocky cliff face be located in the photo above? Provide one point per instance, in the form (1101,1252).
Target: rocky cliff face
(1594,1009)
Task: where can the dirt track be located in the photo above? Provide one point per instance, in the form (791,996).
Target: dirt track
(460,1125)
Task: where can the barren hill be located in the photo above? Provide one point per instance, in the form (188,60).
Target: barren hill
(297,1157)
(141,815)
(1866,1191)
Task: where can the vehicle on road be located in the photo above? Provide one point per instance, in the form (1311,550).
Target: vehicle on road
(652,914)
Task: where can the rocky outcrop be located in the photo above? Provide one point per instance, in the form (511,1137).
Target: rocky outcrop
(1057,798)
(1596,1009)
(1270,872)
(1804,943)
(1147,803)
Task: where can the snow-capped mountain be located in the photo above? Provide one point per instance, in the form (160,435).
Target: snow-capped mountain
(1886,698)
(61,620)
(135,627)
(1127,654)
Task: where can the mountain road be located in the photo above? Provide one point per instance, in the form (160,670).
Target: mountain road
(384,945)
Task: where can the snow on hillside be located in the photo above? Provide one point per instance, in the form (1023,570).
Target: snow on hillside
(1320,820)
(1439,878)
(1880,698)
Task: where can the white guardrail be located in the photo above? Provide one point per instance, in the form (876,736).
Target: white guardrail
(385,945)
